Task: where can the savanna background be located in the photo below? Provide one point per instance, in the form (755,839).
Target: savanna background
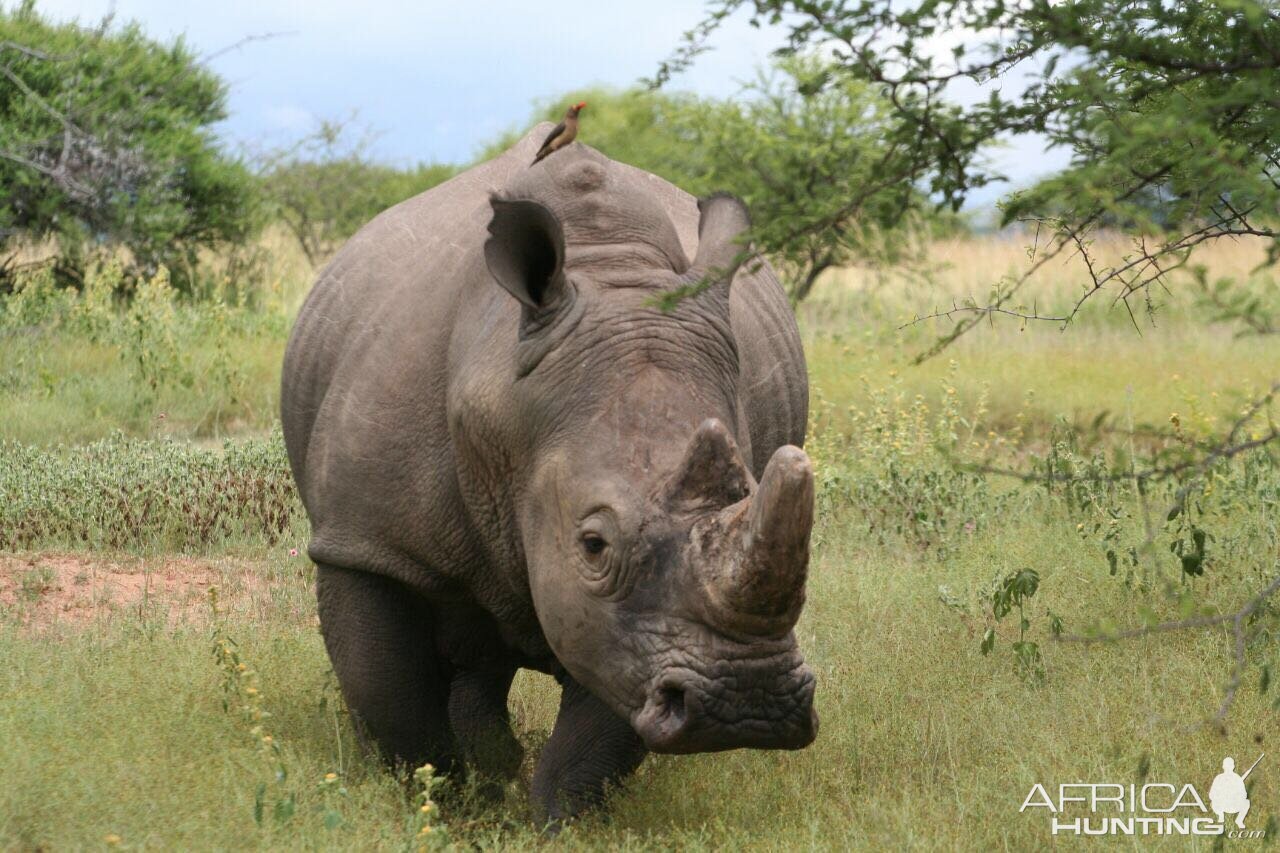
(1044,431)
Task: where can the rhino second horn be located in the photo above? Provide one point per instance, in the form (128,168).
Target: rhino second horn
(768,585)
(712,471)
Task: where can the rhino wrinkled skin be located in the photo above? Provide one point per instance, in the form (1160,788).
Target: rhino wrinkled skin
(510,458)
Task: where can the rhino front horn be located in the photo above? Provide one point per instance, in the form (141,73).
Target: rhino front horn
(776,542)
(756,585)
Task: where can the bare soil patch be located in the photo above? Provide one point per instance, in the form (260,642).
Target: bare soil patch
(46,591)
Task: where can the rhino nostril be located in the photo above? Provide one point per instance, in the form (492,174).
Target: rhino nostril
(671,699)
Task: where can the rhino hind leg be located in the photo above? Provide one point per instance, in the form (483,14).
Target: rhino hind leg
(379,638)
(591,749)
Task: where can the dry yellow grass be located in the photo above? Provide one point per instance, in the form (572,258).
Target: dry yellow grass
(969,266)
(858,330)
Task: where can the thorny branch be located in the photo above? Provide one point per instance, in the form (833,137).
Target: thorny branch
(1135,275)
(249,39)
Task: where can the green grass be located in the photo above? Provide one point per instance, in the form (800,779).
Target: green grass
(113,726)
(77,391)
(924,742)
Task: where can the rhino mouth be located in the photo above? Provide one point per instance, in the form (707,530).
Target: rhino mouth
(734,705)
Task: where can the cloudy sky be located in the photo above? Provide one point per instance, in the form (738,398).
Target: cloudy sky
(437,79)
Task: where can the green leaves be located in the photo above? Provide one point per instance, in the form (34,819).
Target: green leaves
(1013,590)
(1007,593)
(1167,109)
(106,134)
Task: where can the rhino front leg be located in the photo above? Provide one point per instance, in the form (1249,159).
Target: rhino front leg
(590,748)
(379,637)
(482,724)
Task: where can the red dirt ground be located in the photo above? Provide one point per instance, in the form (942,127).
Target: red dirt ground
(49,591)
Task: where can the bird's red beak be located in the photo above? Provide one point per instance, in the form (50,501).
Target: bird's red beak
(580,105)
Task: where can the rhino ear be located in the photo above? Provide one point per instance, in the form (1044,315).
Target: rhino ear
(525,252)
(722,226)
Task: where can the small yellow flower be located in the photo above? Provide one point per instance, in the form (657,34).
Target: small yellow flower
(266,739)
(426,830)
(251,691)
(112,839)
(329,777)
(426,808)
(1080,526)
(241,667)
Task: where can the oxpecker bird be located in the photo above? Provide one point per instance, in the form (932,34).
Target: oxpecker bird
(563,133)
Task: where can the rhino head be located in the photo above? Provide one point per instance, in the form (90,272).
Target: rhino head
(666,578)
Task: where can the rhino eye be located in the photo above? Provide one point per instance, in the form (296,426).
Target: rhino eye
(593,544)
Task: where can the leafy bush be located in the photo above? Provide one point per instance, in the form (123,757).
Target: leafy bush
(106,137)
(137,494)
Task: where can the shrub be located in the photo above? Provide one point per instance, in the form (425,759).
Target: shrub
(106,138)
(137,494)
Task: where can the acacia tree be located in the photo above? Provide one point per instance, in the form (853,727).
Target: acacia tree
(106,137)
(1170,111)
